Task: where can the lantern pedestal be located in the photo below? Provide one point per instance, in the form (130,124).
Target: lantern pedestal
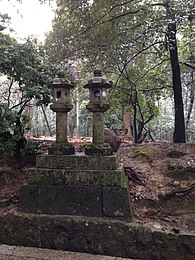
(61,148)
(98,149)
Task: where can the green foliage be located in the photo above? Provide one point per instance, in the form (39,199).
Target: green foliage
(26,71)
(30,148)
(129,40)
(7,148)
(4,21)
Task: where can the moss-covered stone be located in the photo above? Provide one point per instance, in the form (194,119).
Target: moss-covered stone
(61,148)
(124,179)
(78,161)
(98,149)
(76,177)
(78,200)
(116,202)
(96,236)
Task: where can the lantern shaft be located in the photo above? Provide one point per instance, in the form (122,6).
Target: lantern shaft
(98,128)
(61,127)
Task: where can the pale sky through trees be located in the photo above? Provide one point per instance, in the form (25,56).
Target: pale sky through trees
(28,17)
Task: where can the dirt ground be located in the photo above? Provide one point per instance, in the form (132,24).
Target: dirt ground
(161,180)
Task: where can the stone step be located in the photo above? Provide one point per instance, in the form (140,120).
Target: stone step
(94,235)
(78,177)
(77,161)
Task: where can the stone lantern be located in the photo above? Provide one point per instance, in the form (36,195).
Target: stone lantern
(98,104)
(61,105)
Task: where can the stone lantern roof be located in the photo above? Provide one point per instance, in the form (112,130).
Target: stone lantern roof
(60,81)
(98,81)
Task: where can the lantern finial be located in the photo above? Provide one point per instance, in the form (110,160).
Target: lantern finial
(61,74)
(97,73)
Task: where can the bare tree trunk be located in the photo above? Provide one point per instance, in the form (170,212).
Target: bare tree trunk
(46,120)
(134,103)
(179,127)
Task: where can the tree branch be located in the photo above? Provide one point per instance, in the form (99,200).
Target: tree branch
(151,69)
(188,65)
(118,5)
(124,14)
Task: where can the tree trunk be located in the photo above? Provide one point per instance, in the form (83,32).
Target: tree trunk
(179,127)
(134,104)
(127,123)
(19,136)
(46,120)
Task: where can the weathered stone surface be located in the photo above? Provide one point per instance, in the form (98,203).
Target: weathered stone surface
(76,200)
(63,148)
(29,197)
(78,161)
(69,200)
(75,177)
(116,202)
(96,236)
(76,185)
(98,149)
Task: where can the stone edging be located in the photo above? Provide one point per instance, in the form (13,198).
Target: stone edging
(95,236)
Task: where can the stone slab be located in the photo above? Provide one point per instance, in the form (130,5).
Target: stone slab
(91,201)
(95,236)
(75,177)
(68,200)
(116,202)
(78,161)
(76,200)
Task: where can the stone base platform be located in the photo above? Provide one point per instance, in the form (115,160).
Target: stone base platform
(95,236)
(76,200)
(77,185)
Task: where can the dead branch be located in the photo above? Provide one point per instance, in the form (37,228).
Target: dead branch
(133,175)
(174,192)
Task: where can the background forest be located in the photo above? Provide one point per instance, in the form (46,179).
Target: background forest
(145,47)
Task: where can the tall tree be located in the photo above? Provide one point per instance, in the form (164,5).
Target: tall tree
(114,35)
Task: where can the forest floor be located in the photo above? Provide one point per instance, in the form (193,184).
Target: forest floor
(161,180)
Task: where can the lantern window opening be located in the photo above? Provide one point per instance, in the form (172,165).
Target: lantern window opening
(97,94)
(58,95)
